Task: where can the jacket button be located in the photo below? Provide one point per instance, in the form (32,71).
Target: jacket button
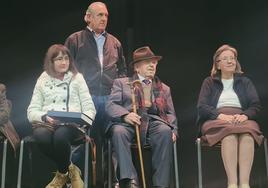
(54,101)
(64,88)
(64,100)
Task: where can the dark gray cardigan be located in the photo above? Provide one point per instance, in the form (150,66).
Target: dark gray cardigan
(211,90)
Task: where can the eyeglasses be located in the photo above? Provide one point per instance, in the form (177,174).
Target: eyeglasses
(64,58)
(227,59)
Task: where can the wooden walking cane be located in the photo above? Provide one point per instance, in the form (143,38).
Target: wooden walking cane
(134,84)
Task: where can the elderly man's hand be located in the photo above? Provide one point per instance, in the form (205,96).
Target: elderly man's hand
(132,118)
(174,137)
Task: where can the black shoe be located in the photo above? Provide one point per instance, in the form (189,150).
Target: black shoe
(132,184)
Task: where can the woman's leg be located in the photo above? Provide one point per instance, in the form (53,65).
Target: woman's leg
(64,136)
(246,156)
(62,139)
(43,138)
(229,152)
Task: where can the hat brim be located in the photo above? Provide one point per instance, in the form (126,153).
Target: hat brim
(157,58)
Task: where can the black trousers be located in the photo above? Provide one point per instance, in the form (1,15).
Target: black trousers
(57,144)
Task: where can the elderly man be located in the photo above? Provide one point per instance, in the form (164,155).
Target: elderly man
(156,118)
(99,57)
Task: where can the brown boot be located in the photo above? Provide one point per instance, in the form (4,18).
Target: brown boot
(58,181)
(75,176)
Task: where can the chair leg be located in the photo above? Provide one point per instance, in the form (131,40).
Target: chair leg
(86,164)
(199,163)
(20,163)
(109,163)
(177,183)
(266,155)
(4,160)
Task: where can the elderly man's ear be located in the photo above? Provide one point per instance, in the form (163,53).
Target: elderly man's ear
(86,18)
(2,89)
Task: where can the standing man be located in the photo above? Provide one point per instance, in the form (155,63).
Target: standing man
(156,118)
(99,57)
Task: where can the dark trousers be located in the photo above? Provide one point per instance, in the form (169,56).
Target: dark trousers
(160,139)
(57,144)
(97,132)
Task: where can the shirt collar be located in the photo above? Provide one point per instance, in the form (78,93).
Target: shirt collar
(142,78)
(104,33)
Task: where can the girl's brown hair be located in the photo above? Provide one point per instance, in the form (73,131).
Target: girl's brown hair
(52,52)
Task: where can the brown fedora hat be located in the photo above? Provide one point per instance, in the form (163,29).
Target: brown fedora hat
(144,53)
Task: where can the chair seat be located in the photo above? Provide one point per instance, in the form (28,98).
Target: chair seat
(201,144)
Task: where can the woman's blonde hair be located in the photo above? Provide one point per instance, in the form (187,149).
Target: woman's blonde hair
(225,47)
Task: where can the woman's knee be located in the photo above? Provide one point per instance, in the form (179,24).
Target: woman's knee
(246,137)
(230,138)
(42,135)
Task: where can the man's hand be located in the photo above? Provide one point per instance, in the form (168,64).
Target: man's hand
(132,118)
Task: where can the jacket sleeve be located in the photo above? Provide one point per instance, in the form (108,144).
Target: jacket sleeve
(114,105)
(86,101)
(34,111)
(205,109)
(72,44)
(121,64)
(4,107)
(253,106)
(171,115)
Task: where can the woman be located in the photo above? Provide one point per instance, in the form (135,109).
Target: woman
(61,88)
(227,107)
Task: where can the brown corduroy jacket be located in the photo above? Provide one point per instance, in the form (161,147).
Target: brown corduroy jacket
(6,127)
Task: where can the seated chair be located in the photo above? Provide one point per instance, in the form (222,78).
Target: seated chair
(89,146)
(4,158)
(201,145)
(8,134)
(111,170)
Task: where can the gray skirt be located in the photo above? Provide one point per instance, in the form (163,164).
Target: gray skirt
(214,131)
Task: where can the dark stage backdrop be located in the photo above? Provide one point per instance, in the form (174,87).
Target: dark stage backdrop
(185,33)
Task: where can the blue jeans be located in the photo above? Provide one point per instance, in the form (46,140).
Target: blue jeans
(97,132)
